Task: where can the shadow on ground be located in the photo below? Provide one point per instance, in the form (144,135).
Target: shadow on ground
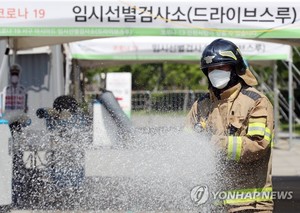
(286,184)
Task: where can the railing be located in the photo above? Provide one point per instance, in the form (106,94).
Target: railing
(167,100)
(178,100)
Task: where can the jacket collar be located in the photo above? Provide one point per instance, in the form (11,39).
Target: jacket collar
(229,94)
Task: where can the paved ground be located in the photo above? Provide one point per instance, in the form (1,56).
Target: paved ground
(286,172)
(286,157)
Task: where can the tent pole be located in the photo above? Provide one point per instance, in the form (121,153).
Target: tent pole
(56,60)
(13,45)
(4,63)
(276,105)
(291,101)
(68,68)
(76,79)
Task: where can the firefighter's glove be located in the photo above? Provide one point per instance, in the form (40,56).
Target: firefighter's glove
(198,128)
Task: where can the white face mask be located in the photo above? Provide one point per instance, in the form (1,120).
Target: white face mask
(14,79)
(219,78)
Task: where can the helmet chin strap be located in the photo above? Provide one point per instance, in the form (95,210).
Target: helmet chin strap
(234,80)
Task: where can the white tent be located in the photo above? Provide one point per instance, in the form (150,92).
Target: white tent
(113,51)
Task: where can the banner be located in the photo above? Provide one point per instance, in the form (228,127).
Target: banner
(120,83)
(170,48)
(251,19)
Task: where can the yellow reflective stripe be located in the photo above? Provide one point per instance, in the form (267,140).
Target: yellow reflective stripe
(256,129)
(248,195)
(234,148)
(247,200)
(228,54)
(272,140)
(229,147)
(268,136)
(239,148)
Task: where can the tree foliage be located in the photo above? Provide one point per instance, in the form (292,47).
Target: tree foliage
(172,76)
(159,76)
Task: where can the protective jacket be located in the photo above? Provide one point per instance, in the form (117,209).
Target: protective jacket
(241,123)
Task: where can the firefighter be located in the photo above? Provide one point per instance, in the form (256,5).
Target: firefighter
(240,121)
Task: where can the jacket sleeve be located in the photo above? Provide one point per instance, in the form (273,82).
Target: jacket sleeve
(198,114)
(191,119)
(257,141)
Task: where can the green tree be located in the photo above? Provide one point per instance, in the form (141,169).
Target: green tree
(158,76)
(183,76)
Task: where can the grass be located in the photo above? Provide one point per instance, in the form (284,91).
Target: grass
(285,127)
(162,113)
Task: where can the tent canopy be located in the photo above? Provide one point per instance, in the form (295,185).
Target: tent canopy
(125,50)
(39,23)
(25,43)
